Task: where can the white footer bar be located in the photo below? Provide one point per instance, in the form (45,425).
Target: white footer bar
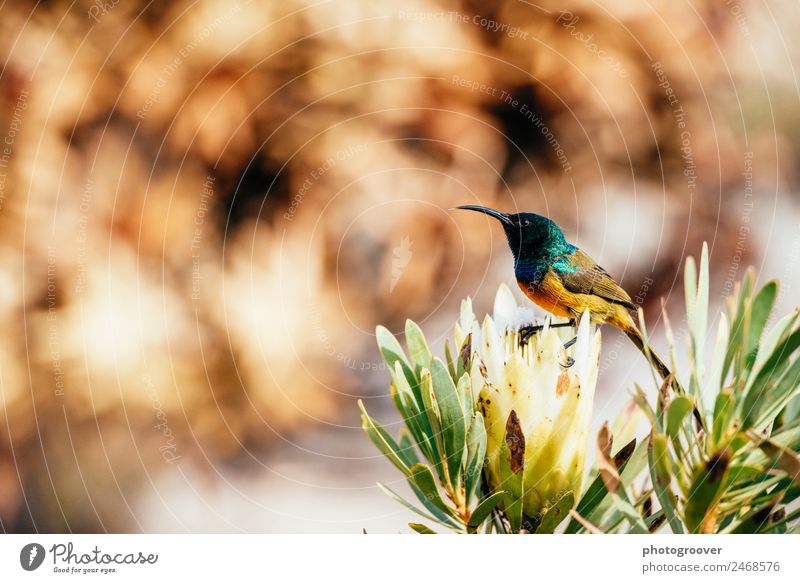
(412,558)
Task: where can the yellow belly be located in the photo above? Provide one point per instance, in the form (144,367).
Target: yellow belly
(551,295)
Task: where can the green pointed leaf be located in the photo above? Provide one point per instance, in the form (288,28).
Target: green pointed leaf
(513,510)
(655,521)
(782,457)
(421,528)
(591,500)
(483,510)
(781,394)
(413,413)
(397,362)
(723,411)
(464,392)
(737,317)
(440,519)
(400,381)
(705,491)
(434,421)
(418,349)
(630,465)
(476,452)
(680,407)
(406,447)
(392,352)
(690,289)
(782,520)
(742,474)
(448,357)
(777,334)
(407,413)
(382,440)
(774,384)
(701,312)
(424,480)
(787,435)
(556,512)
(657,455)
(756,520)
(792,412)
(634,465)
(453,419)
(623,506)
(447,518)
(632,468)
(759,314)
(697,306)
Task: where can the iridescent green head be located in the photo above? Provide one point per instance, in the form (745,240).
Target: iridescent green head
(529,235)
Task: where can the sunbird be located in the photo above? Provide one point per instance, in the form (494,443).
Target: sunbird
(565,281)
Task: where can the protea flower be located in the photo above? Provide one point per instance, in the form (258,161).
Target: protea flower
(537,410)
(498,424)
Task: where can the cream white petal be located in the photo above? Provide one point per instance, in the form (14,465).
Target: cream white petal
(505,308)
(491,351)
(467,316)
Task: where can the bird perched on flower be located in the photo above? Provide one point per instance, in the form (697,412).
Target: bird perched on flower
(565,281)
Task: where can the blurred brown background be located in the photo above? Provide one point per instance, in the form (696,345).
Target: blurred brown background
(206,208)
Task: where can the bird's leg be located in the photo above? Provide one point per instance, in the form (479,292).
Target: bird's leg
(525,332)
(569,343)
(570,360)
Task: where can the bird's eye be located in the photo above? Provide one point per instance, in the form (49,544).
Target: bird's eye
(524,222)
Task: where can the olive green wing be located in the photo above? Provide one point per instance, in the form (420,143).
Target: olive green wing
(590,278)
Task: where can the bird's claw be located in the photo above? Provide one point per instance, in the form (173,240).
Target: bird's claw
(526,332)
(570,361)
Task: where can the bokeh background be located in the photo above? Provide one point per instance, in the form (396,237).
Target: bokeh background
(206,207)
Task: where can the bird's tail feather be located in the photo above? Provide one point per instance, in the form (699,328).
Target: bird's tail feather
(663,370)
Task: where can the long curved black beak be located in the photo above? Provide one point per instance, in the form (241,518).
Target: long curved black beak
(504,218)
